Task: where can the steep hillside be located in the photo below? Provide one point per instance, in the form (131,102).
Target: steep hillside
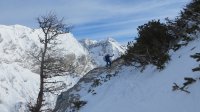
(98,49)
(18,86)
(125,89)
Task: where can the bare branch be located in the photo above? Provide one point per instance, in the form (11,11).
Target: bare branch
(51,63)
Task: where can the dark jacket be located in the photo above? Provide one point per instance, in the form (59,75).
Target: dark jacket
(107,58)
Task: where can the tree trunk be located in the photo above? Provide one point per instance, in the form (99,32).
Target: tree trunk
(41,92)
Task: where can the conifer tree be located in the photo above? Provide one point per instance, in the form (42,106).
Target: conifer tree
(151,46)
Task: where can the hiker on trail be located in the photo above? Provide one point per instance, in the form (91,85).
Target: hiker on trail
(108,60)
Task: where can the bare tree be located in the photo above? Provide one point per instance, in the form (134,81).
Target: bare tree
(52,62)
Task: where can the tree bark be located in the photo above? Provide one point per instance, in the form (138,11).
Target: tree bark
(41,92)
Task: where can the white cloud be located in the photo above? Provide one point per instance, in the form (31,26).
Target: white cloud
(84,11)
(120,17)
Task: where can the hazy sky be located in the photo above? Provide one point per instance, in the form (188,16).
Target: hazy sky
(94,19)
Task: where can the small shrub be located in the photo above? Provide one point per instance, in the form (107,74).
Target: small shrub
(96,82)
(79,104)
(197,57)
(31,107)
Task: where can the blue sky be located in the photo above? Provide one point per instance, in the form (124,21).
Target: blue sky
(93,19)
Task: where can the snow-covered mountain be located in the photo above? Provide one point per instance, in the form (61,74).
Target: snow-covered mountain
(98,49)
(17,41)
(126,89)
(18,73)
(19,79)
(18,86)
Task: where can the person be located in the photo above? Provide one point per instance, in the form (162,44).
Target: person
(108,60)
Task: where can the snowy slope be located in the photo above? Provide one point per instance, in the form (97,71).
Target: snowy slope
(14,41)
(98,49)
(125,89)
(17,85)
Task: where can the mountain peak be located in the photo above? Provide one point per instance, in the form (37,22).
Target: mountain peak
(87,42)
(110,39)
(98,49)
